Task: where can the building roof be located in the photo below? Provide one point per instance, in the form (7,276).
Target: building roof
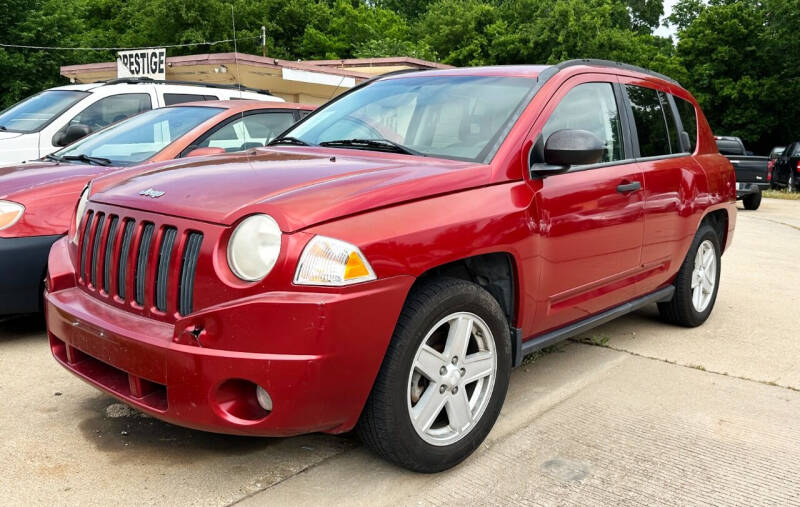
(390,61)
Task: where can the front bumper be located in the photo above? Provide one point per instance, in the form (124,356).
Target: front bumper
(315,353)
(23,262)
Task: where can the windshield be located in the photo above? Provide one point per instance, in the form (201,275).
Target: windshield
(458,117)
(36,112)
(137,139)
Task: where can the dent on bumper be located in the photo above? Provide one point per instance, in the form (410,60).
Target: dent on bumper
(22,264)
(316,354)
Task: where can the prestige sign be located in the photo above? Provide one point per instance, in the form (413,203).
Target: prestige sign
(142,63)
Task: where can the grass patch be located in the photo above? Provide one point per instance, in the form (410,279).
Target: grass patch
(781,194)
(598,340)
(533,356)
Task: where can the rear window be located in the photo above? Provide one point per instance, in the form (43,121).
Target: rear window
(688,118)
(651,125)
(179,98)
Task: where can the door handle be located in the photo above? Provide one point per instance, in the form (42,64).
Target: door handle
(624,188)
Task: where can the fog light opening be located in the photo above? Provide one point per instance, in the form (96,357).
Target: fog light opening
(264,399)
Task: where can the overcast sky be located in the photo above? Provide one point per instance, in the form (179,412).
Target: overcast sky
(666,31)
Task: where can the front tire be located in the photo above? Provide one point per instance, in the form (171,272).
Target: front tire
(697,282)
(752,201)
(443,380)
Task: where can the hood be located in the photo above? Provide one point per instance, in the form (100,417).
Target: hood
(299,187)
(36,176)
(9,135)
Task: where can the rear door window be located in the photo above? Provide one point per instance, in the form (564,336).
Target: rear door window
(179,98)
(251,131)
(651,126)
(688,119)
(592,107)
(112,109)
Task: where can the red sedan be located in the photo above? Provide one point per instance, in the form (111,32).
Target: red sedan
(37,199)
(389,259)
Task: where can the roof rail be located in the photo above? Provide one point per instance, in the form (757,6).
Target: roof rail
(147,80)
(617,65)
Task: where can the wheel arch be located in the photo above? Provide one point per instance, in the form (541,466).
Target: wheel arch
(495,272)
(719,220)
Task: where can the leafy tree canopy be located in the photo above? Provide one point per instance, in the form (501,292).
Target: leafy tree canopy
(735,56)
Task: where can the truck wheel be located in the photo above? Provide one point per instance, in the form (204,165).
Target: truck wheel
(752,201)
(697,282)
(443,380)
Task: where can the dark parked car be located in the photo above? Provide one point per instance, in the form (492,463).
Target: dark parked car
(752,172)
(786,173)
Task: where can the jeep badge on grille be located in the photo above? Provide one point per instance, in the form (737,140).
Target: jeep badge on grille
(151,193)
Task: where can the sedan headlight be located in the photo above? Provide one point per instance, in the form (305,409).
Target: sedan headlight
(10,213)
(328,261)
(80,211)
(254,247)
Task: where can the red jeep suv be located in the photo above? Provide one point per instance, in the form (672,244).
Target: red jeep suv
(388,260)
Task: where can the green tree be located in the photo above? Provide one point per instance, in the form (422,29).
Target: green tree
(738,63)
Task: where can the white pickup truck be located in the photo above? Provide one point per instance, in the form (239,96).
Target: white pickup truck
(49,120)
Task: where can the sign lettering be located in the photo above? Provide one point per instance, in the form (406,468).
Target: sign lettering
(142,63)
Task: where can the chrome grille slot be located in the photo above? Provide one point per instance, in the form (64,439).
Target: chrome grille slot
(124,254)
(98,233)
(142,259)
(162,273)
(107,260)
(87,229)
(188,267)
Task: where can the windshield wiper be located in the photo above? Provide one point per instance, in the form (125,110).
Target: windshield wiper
(3,127)
(378,144)
(89,160)
(55,158)
(288,140)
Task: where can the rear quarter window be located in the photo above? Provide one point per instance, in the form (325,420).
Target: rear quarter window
(688,116)
(651,126)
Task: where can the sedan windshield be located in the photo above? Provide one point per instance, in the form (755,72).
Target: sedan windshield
(36,112)
(137,139)
(457,117)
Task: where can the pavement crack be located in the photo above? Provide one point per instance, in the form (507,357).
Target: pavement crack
(289,476)
(594,343)
(777,222)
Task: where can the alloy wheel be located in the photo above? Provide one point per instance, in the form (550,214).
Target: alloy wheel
(451,378)
(704,276)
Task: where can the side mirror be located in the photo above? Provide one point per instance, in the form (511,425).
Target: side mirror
(204,152)
(569,147)
(73,133)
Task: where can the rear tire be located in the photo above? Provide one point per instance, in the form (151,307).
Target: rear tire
(752,201)
(697,283)
(425,411)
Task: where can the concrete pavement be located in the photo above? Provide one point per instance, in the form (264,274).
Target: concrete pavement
(650,414)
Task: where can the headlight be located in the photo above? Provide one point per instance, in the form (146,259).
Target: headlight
(328,261)
(254,247)
(10,213)
(80,211)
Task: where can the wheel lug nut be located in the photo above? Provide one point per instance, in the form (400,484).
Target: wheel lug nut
(442,370)
(454,360)
(462,371)
(442,389)
(454,390)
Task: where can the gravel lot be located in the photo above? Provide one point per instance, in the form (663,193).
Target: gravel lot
(648,414)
